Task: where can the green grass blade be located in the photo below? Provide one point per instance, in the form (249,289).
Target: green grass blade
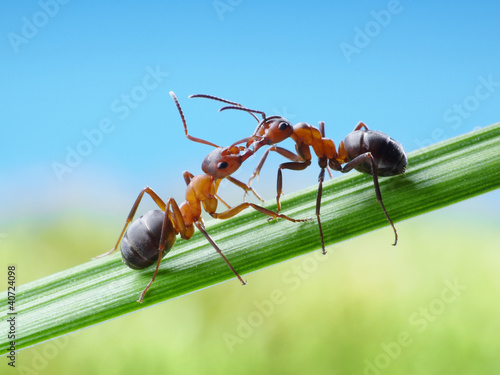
(99,290)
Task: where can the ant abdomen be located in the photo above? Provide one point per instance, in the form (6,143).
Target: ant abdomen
(140,244)
(388,154)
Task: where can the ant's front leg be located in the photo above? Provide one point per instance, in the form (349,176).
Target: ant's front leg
(280,150)
(245,187)
(233,211)
(294,166)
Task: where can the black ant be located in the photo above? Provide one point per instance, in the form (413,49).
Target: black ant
(149,238)
(368,151)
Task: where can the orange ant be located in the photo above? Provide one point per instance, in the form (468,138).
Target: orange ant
(368,151)
(149,238)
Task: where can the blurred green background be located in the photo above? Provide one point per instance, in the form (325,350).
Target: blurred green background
(428,306)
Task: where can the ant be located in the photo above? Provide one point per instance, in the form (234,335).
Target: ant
(149,238)
(368,151)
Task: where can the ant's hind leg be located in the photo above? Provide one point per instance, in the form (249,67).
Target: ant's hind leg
(131,215)
(172,224)
(359,160)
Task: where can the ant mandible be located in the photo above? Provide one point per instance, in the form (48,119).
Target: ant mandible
(368,151)
(149,238)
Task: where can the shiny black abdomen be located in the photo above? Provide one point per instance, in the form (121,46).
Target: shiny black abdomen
(140,243)
(390,158)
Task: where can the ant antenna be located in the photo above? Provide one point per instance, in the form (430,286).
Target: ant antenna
(202,141)
(241,108)
(238,105)
(212,97)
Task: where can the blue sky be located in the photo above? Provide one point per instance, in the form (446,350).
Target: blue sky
(85,85)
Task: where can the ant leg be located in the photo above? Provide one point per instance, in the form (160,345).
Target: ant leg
(201,228)
(330,145)
(280,150)
(233,211)
(361,125)
(259,166)
(359,160)
(245,187)
(296,159)
(194,139)
(322,128)
(323,164)
(329,172)
(321,178)
(160,256)
(175,216)
(175,219)
(295,166)
(187,177)
(222,201)
(131,215)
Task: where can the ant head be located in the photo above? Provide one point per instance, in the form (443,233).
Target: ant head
(273,129)
(224,161)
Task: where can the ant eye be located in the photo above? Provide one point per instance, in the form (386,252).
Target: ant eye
(222,165)
(283,126)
